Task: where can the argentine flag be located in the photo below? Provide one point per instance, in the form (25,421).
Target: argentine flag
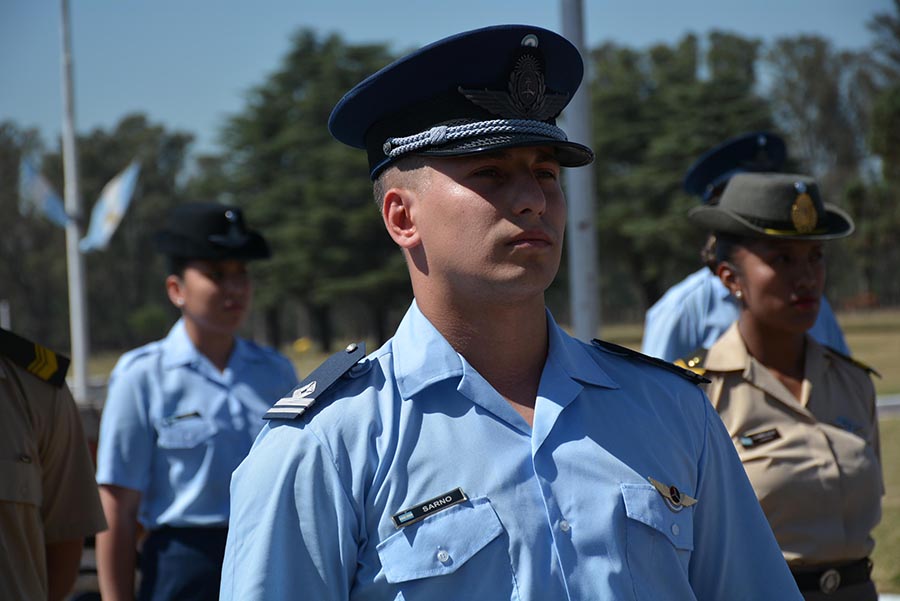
(36,194)
(110,209)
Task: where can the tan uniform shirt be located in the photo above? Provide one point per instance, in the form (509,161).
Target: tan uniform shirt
(814,462)
(47,489)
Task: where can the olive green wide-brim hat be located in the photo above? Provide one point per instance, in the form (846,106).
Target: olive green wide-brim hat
(773,205)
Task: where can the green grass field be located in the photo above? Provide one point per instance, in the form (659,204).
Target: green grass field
(887,534)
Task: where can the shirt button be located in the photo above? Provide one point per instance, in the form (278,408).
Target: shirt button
(675,529)
(565,526)
(25,458)
(443,556)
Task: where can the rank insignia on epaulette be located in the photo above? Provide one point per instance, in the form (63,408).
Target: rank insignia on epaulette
(315,384)
(36,359)
(675,499)
(624,351)
(694,361)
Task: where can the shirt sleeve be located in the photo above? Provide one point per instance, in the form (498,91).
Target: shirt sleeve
(670,332)
(827,330)
(735,553)
(293,525)
(70,505)
(125,448)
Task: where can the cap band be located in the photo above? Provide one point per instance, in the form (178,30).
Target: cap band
(441,134)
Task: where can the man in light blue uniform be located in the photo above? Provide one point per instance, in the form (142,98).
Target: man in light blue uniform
(182,412)
(483,453)
(693,313)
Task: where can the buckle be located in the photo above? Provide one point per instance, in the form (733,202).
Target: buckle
(829,581)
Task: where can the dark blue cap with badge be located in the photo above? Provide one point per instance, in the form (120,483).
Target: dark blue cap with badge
(208,230)
(482,90)
(751,152)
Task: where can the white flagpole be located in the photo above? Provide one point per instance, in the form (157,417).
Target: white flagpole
(584,288)
(78,317)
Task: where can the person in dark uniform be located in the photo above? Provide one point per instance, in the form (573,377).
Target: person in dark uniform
(48,495)
(801,415)
(693,313)
(182,412)
(483,453)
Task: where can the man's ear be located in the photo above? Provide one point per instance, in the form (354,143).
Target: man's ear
(396,210)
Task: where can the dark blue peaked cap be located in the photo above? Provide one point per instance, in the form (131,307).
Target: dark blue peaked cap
(751,152)
(481,90)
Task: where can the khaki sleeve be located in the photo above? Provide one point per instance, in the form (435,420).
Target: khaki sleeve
(70,505)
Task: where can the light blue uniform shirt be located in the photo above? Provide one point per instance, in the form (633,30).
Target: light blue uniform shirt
(174,427)
(695,312)
(562,510)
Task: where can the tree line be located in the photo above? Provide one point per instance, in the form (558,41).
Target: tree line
(336,273)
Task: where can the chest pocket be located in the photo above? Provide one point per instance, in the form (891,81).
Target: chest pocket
(443,543)
(21,482)
(184,433)
(657,538)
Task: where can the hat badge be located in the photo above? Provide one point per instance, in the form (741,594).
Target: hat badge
(803,211)
(526,96)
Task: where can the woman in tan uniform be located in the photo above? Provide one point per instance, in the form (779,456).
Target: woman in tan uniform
(801,415)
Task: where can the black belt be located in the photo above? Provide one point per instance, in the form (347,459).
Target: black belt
(830,579)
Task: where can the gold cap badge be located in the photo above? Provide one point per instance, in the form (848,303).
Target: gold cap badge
(803,212)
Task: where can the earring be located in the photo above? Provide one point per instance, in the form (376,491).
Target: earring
(738,294)
(179,302)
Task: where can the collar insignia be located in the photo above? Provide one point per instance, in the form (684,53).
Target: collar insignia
(526,96)
(803,212)
(675,499)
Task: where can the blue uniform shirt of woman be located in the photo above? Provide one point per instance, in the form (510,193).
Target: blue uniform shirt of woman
(174,427)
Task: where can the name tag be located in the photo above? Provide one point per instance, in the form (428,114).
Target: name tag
(748,441)
(426,508)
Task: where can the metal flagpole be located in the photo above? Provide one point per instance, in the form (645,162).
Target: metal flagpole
(78,318)
(584,289)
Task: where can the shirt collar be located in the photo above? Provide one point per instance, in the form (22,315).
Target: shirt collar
(178,350)
(573,358)
(729,353)
(422,356)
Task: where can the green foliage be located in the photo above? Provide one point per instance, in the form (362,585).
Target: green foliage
(653,115)
(32,251)
(308,193)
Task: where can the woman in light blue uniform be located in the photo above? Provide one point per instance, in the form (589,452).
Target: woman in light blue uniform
(181,414)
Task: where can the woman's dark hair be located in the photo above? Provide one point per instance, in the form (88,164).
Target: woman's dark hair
(176,265)
(726,244)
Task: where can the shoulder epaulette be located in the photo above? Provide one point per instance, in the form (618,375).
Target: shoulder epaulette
(694,361)
(38,360)
(623,351)
(315,384)
(854,361)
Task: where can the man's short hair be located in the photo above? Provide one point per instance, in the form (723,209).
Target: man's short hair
(399,174)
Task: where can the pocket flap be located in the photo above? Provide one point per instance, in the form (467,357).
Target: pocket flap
(184,433)
(644,504)
(21,482)
(439,544)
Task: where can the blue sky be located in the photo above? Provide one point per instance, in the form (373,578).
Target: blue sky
(188,64)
